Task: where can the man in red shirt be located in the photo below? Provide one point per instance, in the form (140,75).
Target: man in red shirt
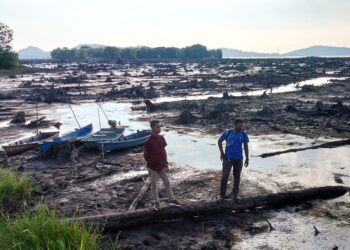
(157,163)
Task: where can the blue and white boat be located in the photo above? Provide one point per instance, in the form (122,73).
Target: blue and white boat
(73,136)
(105,134)
(125,142)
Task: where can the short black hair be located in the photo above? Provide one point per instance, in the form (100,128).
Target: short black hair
(238,121)
(153,123)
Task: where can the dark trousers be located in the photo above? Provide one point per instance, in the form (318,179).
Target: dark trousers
(227,164)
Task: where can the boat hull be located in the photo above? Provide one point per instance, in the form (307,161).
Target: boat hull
(120,144)
(105,134)
(74,136)
(27,144)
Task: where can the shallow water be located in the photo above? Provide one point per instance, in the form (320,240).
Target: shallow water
(198,150)
(294,231)
(280,89)
(273,174)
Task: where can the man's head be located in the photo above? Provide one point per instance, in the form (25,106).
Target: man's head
(238,124)
(155,126)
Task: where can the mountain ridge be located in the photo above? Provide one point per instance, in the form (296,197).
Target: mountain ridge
(32,52)
(316,50)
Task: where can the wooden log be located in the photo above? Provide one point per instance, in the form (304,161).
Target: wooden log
(332,144)
(34,123)
(140,195)
(114,221)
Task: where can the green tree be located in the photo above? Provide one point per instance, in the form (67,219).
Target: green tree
(64,54)
(6,37)
(111,53)
(8,58)
(196,51)
(128,53)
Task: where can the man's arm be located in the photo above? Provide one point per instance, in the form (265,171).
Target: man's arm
(246,152)
(222,154)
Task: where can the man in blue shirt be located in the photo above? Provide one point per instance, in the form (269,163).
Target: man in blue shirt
(233,157)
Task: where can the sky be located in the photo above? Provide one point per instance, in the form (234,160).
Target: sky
(251,25)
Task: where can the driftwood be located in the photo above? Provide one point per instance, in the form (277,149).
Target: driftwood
(332,144)
(141,195)
(95,177)
(115,221)
(36,122)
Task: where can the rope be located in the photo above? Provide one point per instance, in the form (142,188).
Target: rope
(99,118)
(100,106)
(65,97)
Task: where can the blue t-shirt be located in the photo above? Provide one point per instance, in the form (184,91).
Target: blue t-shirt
(234,142)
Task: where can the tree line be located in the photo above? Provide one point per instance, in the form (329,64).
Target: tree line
(196,51)
(8,58)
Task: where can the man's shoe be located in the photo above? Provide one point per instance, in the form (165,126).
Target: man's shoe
(237,199)
(156,205)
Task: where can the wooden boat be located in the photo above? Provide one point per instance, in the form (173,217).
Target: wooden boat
(105,134)
(27,144)
(73,136)
(124,142)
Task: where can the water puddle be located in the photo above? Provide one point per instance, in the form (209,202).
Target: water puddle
(294,231)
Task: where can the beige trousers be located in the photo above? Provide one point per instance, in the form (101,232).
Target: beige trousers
(154,175)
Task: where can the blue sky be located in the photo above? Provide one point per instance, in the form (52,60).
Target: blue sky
(255,25)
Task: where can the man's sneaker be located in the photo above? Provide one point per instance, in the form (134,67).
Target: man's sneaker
(156,205)
(237,199)
(175,203)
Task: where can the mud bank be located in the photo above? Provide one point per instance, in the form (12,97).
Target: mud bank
(275,121)
(311,112)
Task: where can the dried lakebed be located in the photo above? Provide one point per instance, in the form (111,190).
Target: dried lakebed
(94,185)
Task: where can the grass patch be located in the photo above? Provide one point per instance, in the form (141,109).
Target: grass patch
(45,230)
(14,191)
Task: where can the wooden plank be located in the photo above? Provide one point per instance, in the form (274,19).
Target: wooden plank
(140,195)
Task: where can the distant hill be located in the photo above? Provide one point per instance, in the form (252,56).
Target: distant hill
(240,53)
(322,51)
(33,53)
(93,46)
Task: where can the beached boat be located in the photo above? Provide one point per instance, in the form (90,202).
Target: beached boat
(105,134)
(124,142)
(73,136)
(27,144)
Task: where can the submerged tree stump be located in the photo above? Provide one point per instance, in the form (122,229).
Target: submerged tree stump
(116,221)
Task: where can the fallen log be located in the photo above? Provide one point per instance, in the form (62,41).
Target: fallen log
(332,144)
(36,122)
(140,196)
(115,221)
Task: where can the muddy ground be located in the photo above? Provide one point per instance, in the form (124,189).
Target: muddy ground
(95,185)
(311,112)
